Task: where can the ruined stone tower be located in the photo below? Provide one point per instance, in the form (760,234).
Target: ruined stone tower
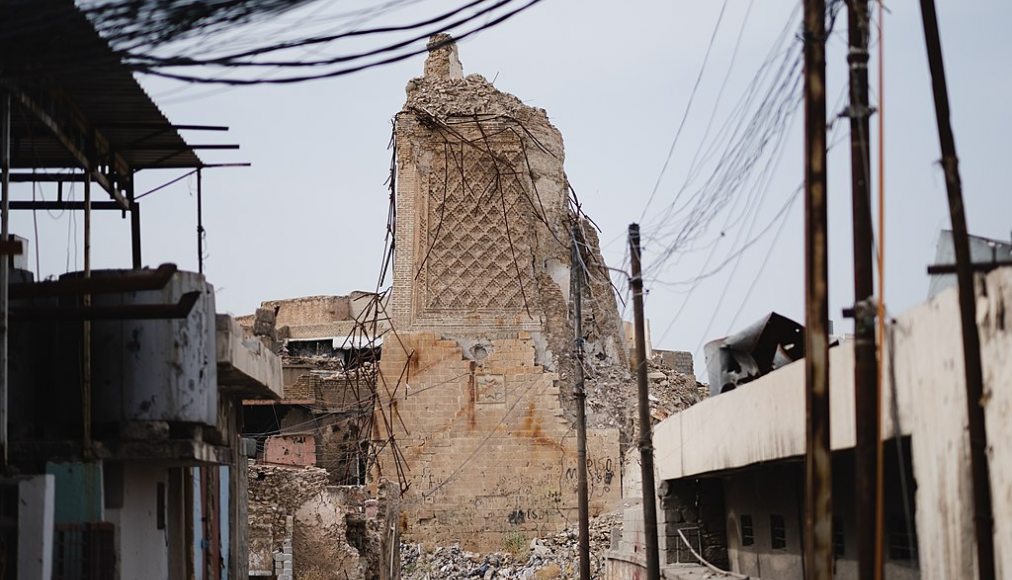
(482,307)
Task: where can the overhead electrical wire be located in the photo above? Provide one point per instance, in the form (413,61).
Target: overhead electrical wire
(159,71)
(688,108)
(220,41)
(751,143)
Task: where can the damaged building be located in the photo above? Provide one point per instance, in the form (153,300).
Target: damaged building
(455,386)
(121,393)
(310,514)
(735,496)
(482,302)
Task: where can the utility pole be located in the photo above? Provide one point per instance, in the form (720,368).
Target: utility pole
(5,210)
(645,442)
(200,221)
(577,267)
(818,460)
(86,441)
(980,472)
(866,395)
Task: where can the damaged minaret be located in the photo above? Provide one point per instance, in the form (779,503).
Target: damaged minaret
(480,374)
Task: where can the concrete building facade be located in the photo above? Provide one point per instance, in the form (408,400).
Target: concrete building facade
(747,446)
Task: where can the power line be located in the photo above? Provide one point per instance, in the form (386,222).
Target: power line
(688,108)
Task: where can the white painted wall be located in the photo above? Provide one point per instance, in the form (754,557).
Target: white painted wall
(143,548)
(764,421)
(36,507)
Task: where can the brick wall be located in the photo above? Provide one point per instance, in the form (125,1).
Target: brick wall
(489,451)
(476,387)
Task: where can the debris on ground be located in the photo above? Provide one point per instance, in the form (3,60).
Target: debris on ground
(550,558)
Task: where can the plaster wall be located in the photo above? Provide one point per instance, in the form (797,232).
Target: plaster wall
(924,373)
(143,547)
(291,449)
(36,506)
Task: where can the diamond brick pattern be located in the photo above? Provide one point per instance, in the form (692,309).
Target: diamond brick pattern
(470,218)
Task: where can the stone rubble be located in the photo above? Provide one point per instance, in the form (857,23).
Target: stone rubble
(554,557)
(612,395)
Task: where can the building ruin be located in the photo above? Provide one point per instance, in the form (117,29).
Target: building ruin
(482,301)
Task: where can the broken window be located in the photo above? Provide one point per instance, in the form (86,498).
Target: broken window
(838,541)
(901,538)
(747,533)
(778,532)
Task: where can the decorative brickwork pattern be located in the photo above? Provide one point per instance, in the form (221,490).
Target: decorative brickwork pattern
(477,236)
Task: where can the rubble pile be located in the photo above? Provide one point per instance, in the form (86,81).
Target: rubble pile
(670,390)
(554,557)
(612,394)
(323,362)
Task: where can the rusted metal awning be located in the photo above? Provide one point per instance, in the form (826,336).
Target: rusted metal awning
(76,105)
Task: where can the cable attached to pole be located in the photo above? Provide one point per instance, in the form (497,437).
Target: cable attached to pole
(645,441)
(582,490)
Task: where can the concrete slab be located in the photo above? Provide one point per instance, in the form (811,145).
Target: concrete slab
(245,366)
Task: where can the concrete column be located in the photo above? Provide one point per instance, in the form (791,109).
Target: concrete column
(36,508)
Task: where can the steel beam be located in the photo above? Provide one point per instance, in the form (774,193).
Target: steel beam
(47,177)
(147,280)
(85,143)
(121,312)
(61,205)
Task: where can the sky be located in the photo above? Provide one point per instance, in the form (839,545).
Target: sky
(309,216)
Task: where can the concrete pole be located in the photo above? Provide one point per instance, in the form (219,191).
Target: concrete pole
(818,460)
(576,267)
(645,441)
(980,471)
(866,395)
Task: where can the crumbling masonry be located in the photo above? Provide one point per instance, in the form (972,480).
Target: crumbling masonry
(482,306)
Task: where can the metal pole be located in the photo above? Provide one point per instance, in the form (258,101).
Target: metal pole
(135,229)
(866,396)
(86,330)
(645,442)
(967,305)
(200,222)
(5,170)
(818,461)
(576,267)
(881,313)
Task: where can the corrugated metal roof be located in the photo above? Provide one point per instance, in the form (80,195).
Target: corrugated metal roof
(50,50)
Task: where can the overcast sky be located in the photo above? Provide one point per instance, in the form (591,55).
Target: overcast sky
(309,217)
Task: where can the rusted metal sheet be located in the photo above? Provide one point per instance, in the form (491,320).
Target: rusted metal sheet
(762,347)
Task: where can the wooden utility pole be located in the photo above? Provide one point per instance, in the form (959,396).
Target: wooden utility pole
(980,471)
(645,441)
(866,395)
(576,268)
(818,460)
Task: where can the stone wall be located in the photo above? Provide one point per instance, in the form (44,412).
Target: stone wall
(325,532)
(678,360)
